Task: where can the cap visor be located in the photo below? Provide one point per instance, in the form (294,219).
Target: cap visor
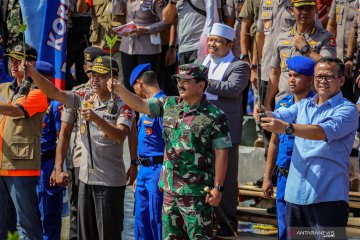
(304,4)
(99,70)
(182,76)
(16,56)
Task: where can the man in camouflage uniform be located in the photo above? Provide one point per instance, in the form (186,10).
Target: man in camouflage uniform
(304,38)
(11,13)
(196,137)
(341,16)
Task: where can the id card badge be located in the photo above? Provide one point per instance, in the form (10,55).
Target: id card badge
(155,39)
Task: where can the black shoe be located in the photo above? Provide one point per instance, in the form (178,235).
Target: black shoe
(258,182)
(271,210)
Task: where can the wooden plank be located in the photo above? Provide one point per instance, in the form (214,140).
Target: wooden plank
(255,194)
(354,194)
(354,221)
(353,204)
(253,188)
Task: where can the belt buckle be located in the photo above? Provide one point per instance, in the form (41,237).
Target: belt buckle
(144,161)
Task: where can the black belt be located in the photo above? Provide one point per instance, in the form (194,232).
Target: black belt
(150,160)
(284,171)
(48,155)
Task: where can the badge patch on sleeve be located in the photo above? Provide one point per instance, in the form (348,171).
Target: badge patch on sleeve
(332,42)
(148,131)
(126,111)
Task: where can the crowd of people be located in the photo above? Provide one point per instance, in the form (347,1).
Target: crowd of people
(176,86)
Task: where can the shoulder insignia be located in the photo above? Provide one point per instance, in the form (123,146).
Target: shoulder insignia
(292,32)
(312,42)
(283,63)
(286,42)
(147,122)
(269,2)
(313,31)
(332,42)
(283,104)
(265,14)
(283,55)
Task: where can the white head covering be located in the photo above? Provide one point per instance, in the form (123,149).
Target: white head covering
(222,30)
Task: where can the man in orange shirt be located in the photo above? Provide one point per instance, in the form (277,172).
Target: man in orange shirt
(20,130)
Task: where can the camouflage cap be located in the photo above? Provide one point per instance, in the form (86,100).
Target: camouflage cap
(192,70)
(90,53)
(101,65)
(17,52)
(299,3)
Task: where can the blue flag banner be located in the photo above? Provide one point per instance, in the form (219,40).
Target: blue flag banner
(47,32)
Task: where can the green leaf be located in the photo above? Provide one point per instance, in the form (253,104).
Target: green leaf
(108,40)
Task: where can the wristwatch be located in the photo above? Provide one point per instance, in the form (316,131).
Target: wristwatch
(289,129)
(253,66)
(304,49)
(243,56)
(219,188)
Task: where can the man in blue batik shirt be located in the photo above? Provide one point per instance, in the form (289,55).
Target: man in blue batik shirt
(148,198)
(301,73)
(317,188)
(50,198)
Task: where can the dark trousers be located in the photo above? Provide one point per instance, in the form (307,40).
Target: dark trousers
(100,212)
(317,216)
(166,83)
(73,191)
(229,200)
(348,90)
(129,62)
(77,41)
(187,57)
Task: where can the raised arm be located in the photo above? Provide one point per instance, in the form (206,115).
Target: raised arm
(132,100)
(45,85)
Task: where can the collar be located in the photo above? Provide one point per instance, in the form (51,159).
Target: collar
(310,33)
(201,106)
(159,94)
(219,60)
(332,101)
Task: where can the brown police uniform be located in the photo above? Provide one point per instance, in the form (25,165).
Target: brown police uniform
(319,40)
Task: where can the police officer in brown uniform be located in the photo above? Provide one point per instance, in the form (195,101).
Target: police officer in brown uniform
(69,145)
(274,16)
(304,38)
(144,44)
(341,16)
(231,10)
(102,171)
(103,20)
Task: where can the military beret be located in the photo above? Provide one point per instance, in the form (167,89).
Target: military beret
(101,65)
(17,52)
(192,70)
(138,70)
(90,53)
(45,68)
(299,3)
(302,65)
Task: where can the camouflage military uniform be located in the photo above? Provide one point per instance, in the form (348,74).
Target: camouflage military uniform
(191,134)
(13,35)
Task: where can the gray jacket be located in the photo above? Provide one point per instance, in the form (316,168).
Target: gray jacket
(230,98)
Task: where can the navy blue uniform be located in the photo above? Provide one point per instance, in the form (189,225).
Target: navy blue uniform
(286,145)
(50,198)
(148,198)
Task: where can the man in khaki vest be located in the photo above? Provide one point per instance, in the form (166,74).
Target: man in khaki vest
(20,130)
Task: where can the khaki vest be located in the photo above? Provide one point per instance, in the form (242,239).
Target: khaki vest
(103,22)
(20,138)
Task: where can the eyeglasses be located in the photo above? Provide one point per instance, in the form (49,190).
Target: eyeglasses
(320,78)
